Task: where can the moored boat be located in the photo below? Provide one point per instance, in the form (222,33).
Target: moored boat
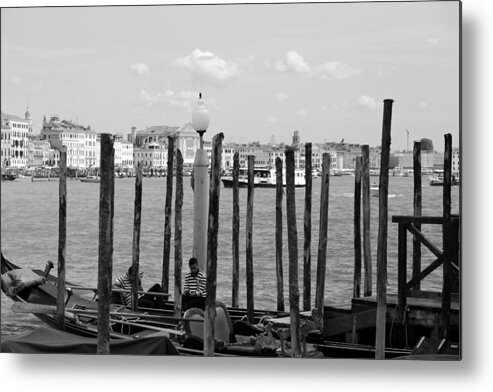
(264,177)
(93,179)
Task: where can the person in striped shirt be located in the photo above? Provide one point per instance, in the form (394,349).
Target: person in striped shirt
(194,289)
(144,300)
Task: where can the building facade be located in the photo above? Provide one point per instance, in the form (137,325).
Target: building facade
(15,132)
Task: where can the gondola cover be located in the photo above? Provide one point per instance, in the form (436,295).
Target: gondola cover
(50,341)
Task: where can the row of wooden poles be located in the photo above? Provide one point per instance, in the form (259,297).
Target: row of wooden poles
(106,213)
(106,208)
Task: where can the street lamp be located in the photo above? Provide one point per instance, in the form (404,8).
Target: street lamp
(200,122)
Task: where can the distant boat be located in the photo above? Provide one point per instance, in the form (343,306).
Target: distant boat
(8,177)
(436,181)
(374,190)
(90,179)
(264,178)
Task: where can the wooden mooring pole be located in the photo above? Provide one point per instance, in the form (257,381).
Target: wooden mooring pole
(294,294)
(307,225)
(365,183)
(447,238)
(279,269)
(382,232)
(357,230)
(322,241)
(236,230)
(62,238)
(249,240)
(136,237)
(178,235)
(105,262)
(210,299)
(167,214)
(417,204)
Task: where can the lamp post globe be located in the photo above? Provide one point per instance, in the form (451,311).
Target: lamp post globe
(200,118)
(200,122)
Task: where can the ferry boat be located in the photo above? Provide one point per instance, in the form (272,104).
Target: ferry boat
(264,177)
(374,190)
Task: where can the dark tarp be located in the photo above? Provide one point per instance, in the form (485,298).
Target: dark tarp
(51,341)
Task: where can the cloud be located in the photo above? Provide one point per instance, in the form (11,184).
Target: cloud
(272,119)
(368,102)
(140,68)
(183,99)
(294,62)
(433,40)
(281,97)
(16,80)
(331,70)
(335,70)
(301,113)
(423,104)
(208,66)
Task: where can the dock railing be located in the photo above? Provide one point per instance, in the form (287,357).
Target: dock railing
(451,263)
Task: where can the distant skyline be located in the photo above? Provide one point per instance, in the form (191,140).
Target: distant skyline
(265,70)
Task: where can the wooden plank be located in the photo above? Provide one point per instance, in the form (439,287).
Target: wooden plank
(428,270)
(249,241)
(62,237)
(433,220)
(210,299)
(357,229)
(322,240)
(307,229)
(402,271)
(136,236)
(365,184)
(413,230)
(167,215)
(105,261)
(178,233)
(446,237)
(236,231)
(417,204)
(294,295)
(350,322)
(279,268)
(382,232)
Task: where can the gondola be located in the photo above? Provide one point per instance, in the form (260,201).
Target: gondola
(81,320)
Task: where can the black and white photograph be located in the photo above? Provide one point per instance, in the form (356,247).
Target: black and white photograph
(184,183)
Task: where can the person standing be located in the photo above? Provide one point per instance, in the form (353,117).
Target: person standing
(194,289)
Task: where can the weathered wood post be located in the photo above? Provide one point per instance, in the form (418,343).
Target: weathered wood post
(365,180)
(178,235)
(357,230)
(249,240)
(105,264)
(322,241)
(307,225)
(417,201)
(167,214)
(210,299)
(382,232)
(136,236)
(447,237)
(279,269)
(62,238)
(294,294)
(236,230)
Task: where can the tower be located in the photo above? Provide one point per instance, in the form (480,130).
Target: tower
(296,138)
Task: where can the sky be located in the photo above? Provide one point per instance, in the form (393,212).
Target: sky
(264,70)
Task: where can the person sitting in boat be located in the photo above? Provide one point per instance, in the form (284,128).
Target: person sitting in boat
(194,289)
(20,281)
(124,282)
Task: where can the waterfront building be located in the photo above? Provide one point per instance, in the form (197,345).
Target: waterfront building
(124,153)
(81,142)
(15,134)
(152,156)
(186,140)
(40,152)
(455,161)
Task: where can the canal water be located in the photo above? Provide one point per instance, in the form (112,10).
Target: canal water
(29,235)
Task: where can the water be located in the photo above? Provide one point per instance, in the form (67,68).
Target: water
(29,235)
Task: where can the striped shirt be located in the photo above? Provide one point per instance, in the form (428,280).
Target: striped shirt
(124,282)
(195,285)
